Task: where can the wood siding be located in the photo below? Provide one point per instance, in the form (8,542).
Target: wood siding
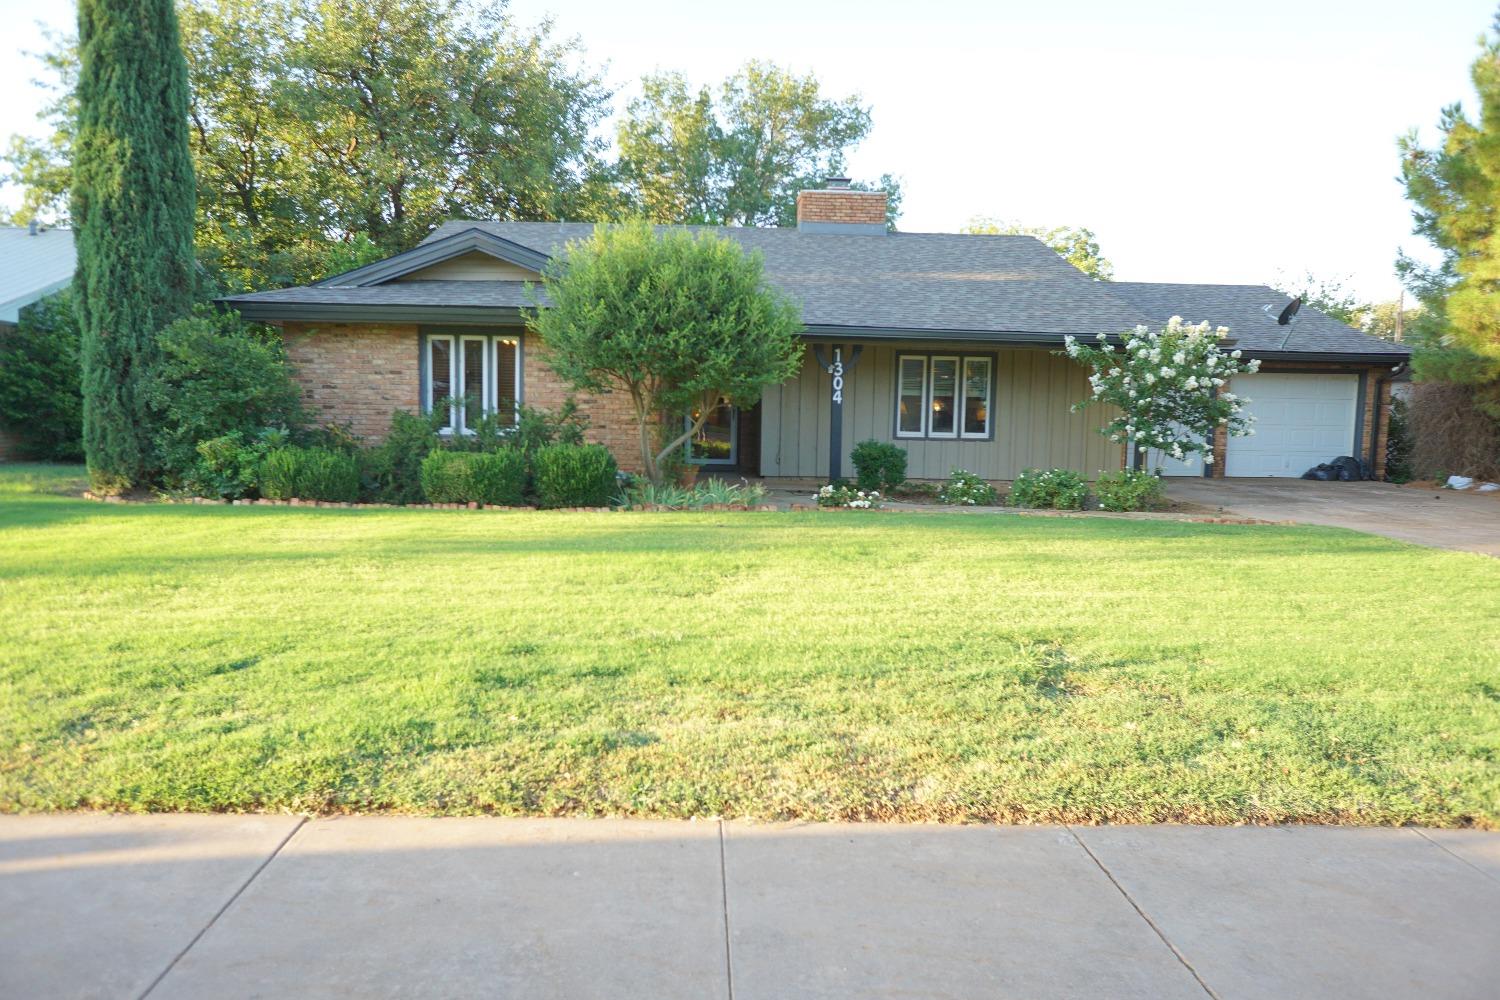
(473,266)
(1033,426)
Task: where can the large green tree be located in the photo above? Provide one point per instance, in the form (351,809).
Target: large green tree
(738,158)
(1455,194)
(680,322)
(325,134)
(1075,244)
(132,209)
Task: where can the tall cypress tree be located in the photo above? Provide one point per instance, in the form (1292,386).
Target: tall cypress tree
(133,220)
(1455,194)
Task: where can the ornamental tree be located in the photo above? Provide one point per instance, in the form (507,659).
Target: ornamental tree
(1168,385)
(681,322)
(133,198)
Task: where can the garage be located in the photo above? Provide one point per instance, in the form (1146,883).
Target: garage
(1300,420)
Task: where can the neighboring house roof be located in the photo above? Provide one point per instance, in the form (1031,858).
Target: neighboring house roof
(1242,308)
(33,266)
(895,285)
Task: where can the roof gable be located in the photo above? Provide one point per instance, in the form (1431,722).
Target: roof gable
(435,251)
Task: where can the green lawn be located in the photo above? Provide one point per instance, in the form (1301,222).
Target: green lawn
(821,666)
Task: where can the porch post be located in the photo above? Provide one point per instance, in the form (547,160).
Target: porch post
(838,368)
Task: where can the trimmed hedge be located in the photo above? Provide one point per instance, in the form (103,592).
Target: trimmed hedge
(1129,489)
(878,465)
(495,478)
(310,474)
(574,475)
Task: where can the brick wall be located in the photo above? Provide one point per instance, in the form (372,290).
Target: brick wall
(611,415)
(354,375)
(841,205)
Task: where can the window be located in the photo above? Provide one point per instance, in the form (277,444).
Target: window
(714,444)
(476,374)
(944,396)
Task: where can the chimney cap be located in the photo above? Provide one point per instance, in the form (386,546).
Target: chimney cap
(32,228)
(837,183)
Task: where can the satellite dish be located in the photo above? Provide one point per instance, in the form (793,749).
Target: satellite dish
(1290,312)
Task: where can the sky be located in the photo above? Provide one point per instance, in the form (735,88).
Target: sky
(1201,140)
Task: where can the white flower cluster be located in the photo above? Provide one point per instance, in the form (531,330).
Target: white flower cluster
(843,496)
(1168,385)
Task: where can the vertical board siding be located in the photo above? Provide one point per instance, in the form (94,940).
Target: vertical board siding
(1033,425)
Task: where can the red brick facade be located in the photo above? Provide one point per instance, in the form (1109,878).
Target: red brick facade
(356,375)
(841,205)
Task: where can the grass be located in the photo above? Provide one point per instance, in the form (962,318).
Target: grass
(819,666)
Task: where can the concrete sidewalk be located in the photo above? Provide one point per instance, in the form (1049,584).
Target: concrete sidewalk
(272,906)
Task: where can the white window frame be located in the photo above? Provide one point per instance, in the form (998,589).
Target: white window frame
(428,402)
(486,364)
(492,395)
(958,371)
(901,360)
(989,394)
(490,362)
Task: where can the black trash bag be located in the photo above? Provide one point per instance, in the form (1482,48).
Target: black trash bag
(1366,473)
(1323,473)
(1347,468)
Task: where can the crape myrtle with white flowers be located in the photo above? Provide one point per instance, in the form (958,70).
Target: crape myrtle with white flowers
(1168,385)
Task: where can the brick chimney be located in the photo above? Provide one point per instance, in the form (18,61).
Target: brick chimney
(837,209)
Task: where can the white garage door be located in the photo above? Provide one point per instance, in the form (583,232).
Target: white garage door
(1300,420)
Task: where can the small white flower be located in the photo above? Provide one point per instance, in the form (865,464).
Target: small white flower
(1208,458)
(1235,353)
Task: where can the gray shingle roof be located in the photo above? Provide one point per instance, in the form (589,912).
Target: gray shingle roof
(1242,309)
(32,267)
(900,283)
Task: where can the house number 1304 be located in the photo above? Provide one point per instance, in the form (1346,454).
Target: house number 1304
(837,370)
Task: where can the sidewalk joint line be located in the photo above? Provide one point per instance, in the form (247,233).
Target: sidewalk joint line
(1142,913)
(724,898)
(1456,857)
(301,821)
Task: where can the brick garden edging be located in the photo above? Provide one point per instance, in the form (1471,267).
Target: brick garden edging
(331,504)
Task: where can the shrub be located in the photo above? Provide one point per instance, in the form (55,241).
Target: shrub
(574,475)
(1129,489)
(446,478)
(393,468)
(229,466)
(1398,445)
(843,495)
(216,375)
(1056,489)
(878,465)
(309,474)
(497,478)
(966,489)
(41,401)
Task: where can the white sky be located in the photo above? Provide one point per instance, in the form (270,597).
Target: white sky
(1201,140)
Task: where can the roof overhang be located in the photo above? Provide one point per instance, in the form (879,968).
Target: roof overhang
(1393,359)
(435,252)
(326,312)
(1032,338)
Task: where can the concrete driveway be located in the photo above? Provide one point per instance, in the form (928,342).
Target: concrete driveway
(1446,519)
(167,907)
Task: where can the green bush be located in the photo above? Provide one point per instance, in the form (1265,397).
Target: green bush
(878,465)
(1398,445)
(41,400)
(574,475)
(967,490)
(1129,489)
(228,466)
(309,474)
(216,375)
(393,468)
(497,478)
(1056,489)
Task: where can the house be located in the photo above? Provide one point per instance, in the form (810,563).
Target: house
(945,344)
(34,263)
